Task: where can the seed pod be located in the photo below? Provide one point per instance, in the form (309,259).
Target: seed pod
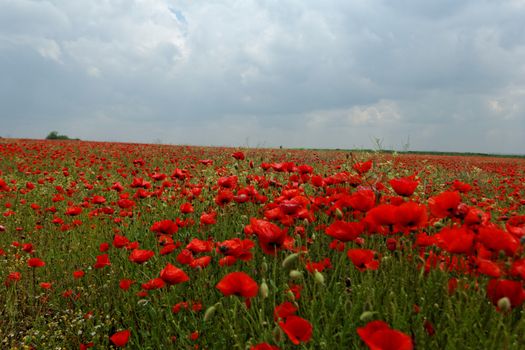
(278,334)
(319,277)
(296,275)
(264,290)
(290,260)
(504,304)
(367,316)
(211,311)
(264,267)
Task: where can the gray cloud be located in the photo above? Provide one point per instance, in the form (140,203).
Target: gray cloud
(451,74)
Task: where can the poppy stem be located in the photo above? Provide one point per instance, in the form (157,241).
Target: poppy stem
(34,287)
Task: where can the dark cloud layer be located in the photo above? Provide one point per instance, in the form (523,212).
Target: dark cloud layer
(449,75)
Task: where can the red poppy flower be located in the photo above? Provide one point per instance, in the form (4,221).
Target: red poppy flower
(363,259)
(185,257)
(3,186)
(487,267)
(362,200)
(155,283)
(139,182)
(228,182)
(199,246)
(28,248)
(318,266)
(379,336)
(513,290)
(140,256)
(240,249)
(382,215)
(201,262)
(125,203)
(186,208)
(363,167)
(404,186)
(238,155)
(14,276)
(125,283)
(297,329)
(284,310)
(444,204)
(224,197)
(411,215)
(238,283)
(461,186)
(177,307)
(98,200)
(194,335)
(45,285)
(271,237)
(208,218)
(73,211)
(102,261)
(227,261)
(35,262)
(167,227)
(120,241)
(516,226)
(345,231)
(173,275)
(518,269)
(167,249)
(120,339)
(78,274)
(496,239)
(455,240)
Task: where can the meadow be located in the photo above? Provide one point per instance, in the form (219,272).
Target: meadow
(112,245)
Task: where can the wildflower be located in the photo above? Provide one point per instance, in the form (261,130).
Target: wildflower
(297,329)
(378,335)
(35,262)
(173,275)
(363,259)
(238,283)
(120,339)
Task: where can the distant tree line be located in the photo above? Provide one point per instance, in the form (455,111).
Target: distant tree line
(54,135)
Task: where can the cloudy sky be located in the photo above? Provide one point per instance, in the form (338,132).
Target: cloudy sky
(434,75)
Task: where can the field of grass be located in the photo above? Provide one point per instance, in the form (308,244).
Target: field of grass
(156,247)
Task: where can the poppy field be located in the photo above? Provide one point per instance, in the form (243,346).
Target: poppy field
(112,245)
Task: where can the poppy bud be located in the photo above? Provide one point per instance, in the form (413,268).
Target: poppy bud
(296,275)
(264,267)
(277,334)
(504,304)
(391,244)
(338,213)
(263,289)
(210,311)
(290,296)
(367,316)
(319,277)
(290,260)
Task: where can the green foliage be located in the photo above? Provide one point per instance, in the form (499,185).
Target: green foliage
(54,135)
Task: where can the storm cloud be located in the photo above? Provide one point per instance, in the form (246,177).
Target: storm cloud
(446,75)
